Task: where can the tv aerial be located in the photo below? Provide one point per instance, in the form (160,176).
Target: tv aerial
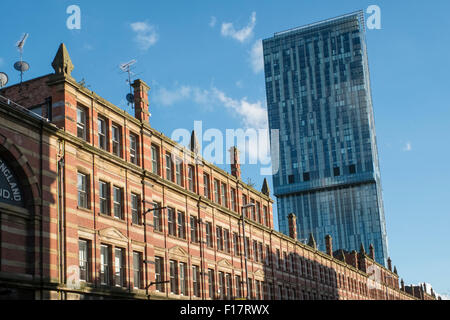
(21,65)
(125,67)
(3,79)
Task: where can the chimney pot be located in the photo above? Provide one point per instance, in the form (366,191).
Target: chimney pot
(329,244)
(354,259)
(235,164)
(371,252)
(292,221)
(141,105)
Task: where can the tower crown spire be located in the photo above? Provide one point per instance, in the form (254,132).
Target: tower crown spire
(194,145)
(362,250)
(312,241)
(265,188)
(62,64)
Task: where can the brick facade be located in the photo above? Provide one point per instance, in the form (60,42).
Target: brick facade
(80,189)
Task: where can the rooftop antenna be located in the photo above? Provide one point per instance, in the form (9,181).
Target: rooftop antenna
(125,67)
(21,65)
(83,83)
(3,79)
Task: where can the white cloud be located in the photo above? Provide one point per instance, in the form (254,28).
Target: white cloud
(88,47)
(212,22)
(444,296)
(256,57)
(146,34)
(251,114)
(228,29)
(407,147)
(167,98)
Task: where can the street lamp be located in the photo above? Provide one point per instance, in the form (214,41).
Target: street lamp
(155,208)
(245,243)
(202,271)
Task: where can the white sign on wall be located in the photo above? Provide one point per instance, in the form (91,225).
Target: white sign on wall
(73,277)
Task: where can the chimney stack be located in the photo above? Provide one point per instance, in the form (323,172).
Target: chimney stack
(354,259)
(235,164)
(389,261)
(141,105)
(371,252)
(292,221)
(329,245)
(402,285)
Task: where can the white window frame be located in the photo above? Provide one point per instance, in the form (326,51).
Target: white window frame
(115,137)
(81,123)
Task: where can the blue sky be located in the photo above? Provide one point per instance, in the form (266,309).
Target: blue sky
(202,61)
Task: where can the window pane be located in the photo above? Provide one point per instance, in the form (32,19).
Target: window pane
(171,221)
(159,273)
(193,229)
(211,283)
(135,214)
(82,190)
(133,154)
(179,173)
(173,277)
(169,175)
(81,123)
(104,265)
(83,260)
(155,159)
(137,268)
(102,133)
(157,217)
(117,199)
(104,199)
(191,178)
(223,193)
(216,191)
(118,266)
(116,140)
(181,225)
(183,279)
(206,185)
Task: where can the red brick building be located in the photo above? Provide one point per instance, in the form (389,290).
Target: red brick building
(95,203)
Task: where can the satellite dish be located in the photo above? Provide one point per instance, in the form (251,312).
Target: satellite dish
(3,79)
(21,66)
(130,98)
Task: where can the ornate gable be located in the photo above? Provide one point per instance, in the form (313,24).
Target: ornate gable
(259,273)
(112,234)
(225,263)
(178,251)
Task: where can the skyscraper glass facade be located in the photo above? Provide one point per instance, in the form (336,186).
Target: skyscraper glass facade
(319,98)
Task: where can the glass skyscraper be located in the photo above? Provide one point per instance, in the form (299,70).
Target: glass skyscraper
(319,98)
